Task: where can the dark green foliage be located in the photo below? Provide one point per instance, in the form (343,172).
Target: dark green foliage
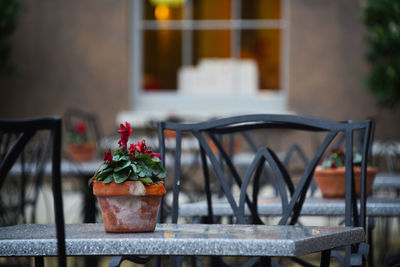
(124,168)
(9,13)
(336,158)
(382,18)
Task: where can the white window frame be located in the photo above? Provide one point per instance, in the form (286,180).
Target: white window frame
(159,105)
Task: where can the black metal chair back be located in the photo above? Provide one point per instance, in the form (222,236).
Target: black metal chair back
(292,197)
(15,139)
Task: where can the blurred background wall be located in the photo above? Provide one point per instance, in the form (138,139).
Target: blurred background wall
(328,65)
(71,54)
(78,53)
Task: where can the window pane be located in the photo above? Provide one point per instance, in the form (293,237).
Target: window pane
(162,59)
(211,9)
(261,9)
(211,44)
(264,47)
(153,11)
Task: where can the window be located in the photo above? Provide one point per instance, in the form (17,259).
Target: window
(175,40)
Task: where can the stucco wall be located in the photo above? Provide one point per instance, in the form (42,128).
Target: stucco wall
(77,53)
(73,54)
(328,66)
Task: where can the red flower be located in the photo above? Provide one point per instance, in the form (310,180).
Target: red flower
(125,132)
(132,148)
(108,156)
(333,165)
(125,129)
(81,128)
(337,150)
(152,155)
(141,147)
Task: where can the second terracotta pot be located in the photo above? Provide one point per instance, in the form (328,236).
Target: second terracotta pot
(83,152)
(331,181)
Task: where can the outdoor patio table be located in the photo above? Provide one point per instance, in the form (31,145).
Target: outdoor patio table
(387,181)
(178,239)
(376,207)
(83,171)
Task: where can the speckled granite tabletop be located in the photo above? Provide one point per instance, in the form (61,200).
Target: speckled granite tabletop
(181,239)
(376,207)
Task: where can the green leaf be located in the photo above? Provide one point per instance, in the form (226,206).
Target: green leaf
(357,159)
(162,174)
(120,157)
(116,157)
(101,175)
(144,170)
(158,170)
(143,157)
(133,176)
(327,163)
(135,168)
(90,181)
(120,177)
(122,165)
(104,167)
(146,180)
(109,179)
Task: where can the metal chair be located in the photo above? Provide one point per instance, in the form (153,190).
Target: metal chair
(292,196)
(15,139)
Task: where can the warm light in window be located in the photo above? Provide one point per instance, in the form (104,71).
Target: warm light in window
(162,12)
(172,3)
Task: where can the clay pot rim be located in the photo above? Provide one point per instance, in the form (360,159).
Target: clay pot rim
(122,189)
(356,169)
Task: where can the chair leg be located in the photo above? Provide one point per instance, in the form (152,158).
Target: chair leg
(117,260)
(325,258)
(176,261)
(370,228)
(339,257)
(39,262)
(266,261)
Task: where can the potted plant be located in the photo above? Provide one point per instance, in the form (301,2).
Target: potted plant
(330,174)
(80,144)
(129,185)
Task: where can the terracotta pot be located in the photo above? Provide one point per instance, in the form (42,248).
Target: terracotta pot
(130,206)
(331,182)
(169,134)
(83,152)
(237,143)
